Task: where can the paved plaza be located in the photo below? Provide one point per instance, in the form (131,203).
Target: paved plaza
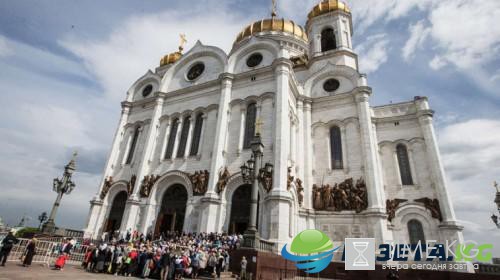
(40,272)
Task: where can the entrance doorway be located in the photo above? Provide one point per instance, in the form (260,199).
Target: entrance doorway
(116,214)
(172,211)
(240,210)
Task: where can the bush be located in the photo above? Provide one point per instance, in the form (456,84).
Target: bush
(27,232)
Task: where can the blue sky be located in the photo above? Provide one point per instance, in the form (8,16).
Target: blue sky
(66,65)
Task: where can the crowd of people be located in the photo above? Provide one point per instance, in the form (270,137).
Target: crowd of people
(173,256)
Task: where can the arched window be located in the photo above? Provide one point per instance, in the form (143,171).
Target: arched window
(171,139)
(184,136)
(416,232)
(250,125)
(195,143)
(336,148)
(328,41)
(404,165)
(131,150)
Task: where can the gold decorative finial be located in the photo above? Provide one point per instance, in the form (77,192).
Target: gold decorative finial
(273,12)
(258,126)
(495,184)
(183,42)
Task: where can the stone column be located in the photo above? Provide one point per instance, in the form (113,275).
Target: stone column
(132,207)
(115,149)
(178,137)
(369,147)
(211,201)
(308,157)
(242,128)
(279,200)
(376,196)
(96,203)
(436,167)
(190,136)
(300,162)
(202,135)
(165,140)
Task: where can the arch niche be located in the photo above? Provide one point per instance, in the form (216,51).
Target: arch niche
(172,210)
(240,209)
(116,213)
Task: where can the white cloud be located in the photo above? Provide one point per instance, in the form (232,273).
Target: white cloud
(471,155)
(418,34)
(373,53)
(138,43)
(5,50)
(466,31)
(366,13)
(437,63)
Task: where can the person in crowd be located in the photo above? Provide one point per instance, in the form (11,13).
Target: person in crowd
(7,243)
(29,253)
(173,256)
(243,273)
(220,264)
(165,261)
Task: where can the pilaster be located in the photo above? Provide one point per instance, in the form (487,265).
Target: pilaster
(220,132)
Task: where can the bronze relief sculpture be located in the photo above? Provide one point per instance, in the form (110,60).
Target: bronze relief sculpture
(199,180)
(147,184)
(391,206)
(131,185)
(223,179)
(107,185)
(433,206)
(346,195)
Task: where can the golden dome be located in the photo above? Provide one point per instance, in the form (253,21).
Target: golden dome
(273,24)
(328,6)
(170,58)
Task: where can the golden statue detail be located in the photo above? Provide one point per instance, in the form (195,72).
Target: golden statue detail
(182,42)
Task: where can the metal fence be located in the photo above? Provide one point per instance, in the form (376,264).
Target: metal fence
(48,251)
(43,251)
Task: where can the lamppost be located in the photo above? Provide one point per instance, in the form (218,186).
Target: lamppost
(61,187)
(42,218)
(252,173)
(497,201)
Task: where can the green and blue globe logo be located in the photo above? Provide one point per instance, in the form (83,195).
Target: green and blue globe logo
(312,251)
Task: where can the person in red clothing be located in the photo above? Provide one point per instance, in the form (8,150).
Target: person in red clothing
(60,262)
(132,266)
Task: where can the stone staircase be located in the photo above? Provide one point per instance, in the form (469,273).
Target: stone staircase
(223,275)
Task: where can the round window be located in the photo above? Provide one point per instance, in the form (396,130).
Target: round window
(254,60)
(195,71)
(331,85)
(147,90)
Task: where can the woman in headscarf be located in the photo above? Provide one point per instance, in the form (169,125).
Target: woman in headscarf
(30,252)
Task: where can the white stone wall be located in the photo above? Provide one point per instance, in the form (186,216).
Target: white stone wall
(297,114)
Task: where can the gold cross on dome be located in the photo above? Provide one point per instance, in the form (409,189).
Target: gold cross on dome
(258,126)
(183,41)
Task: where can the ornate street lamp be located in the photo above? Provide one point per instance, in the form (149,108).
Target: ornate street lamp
(494,217)
(252,173)
(61,187)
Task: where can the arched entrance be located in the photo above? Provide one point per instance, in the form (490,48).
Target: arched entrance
(116,214)
(172,211)
(240,209)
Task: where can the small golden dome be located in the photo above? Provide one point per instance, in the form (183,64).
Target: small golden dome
(326,7)
(170,58)
(273,24)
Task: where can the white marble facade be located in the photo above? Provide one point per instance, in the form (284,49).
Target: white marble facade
(297,114)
